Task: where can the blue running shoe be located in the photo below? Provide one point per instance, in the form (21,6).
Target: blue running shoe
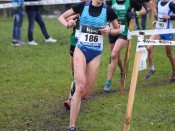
(107,88)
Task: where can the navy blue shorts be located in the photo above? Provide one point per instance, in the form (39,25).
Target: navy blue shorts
(112,38)
(167,36)
(88,53)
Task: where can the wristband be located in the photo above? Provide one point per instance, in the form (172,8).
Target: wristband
(137,13)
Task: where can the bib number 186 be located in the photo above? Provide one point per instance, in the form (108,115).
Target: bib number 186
(91,38)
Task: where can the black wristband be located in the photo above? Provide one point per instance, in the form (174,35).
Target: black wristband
(172,17)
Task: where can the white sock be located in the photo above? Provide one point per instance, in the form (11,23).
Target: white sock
(152,68)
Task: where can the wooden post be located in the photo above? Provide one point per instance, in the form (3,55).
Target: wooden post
(153,11)
(126,60)
(132,90)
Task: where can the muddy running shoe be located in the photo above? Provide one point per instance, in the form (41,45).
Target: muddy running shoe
(107,88)
(173,77)
(68,101)
(71,129)
(67,104)
(149,73)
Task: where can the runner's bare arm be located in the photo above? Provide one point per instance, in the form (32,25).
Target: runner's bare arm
(73,17)
(64,22)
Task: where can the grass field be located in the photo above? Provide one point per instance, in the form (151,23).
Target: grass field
(35,80)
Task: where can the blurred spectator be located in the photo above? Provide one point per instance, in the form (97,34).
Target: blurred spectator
(34,14)
(18,20)
(147,6)
(6,12)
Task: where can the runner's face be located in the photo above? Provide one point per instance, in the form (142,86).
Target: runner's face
(99,2)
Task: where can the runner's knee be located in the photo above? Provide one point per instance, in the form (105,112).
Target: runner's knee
(114,57)
(169,55)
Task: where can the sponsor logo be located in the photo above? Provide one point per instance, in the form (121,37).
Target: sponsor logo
(91,30)
(165,42)
(155,42)
(119,7)
(148,41)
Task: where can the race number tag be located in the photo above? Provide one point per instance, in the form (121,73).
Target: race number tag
(161,24)
(122,28)
(111,26)
(77,33)
(91,36)
(121,25)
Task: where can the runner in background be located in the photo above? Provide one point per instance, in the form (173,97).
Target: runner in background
(73,42)
(142,26)
(165,15)
(123,10)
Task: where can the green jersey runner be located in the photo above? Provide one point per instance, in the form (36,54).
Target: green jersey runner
(121,11)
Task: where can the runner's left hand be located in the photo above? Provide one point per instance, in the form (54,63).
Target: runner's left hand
(105,30)
(71,23)
(165,16)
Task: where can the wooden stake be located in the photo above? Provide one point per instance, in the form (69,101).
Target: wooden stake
(153,11)
(133,85)
(132,91)
(126,60)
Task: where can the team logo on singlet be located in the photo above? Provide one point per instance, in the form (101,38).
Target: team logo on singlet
(119,7)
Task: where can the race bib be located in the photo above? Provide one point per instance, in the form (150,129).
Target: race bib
(111,26)
(161,24)
(91,36)
(122,28)
(77,33)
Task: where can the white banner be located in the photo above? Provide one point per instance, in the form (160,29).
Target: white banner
(43,2)
(154,42)
(152,32)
